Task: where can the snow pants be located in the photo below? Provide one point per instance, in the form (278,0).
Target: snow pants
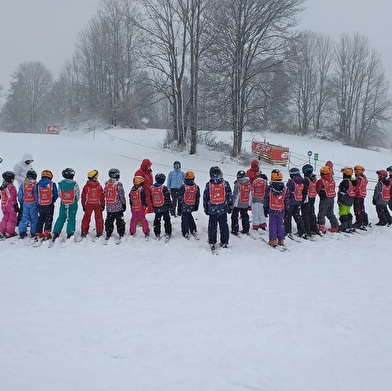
(383,215)
(258,217)
(167,223)
(294,211)
(139,215)
(88,210)
(309,216)
(120,223)
(175,209)
(188,224)
(213,222)
(326,210)
(361,217)
(8,222)
(276,225)
(243,212)
(67,214)
(45,220)
(29,215)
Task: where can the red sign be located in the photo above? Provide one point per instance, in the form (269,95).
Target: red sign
(52,129)
(274,154)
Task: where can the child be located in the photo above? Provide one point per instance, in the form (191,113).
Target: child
(93,200)
(115,204)
(69,194)
(46,194)
(27,198)
(275,202)
(361,217)
(189,198)
(174,182)
(346,199)
(241,200)
(254,171)
(295,188)
(389,169)
(257,197)
(381,197)
(161,201)
(9,205)
(217,203)
(137,200)
(309,200)
(325,187)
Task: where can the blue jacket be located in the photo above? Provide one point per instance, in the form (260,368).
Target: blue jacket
(185,208)
(175,179)
(43,183)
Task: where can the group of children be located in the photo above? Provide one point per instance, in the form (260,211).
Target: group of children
(281,203)
(38,198)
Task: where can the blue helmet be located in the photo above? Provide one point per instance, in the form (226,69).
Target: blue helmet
(294,171)
(307,168)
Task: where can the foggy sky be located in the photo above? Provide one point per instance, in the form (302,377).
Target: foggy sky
(46,30)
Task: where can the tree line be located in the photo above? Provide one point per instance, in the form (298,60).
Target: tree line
(190,65)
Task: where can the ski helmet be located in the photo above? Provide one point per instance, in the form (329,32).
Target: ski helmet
(8,176)
(241,174)
(348,171)
(358,169)
(382,174)
(190,175)
(93,175)
(215,172)
(160,178)
(294,171)
(307,168)
(31,174)
(276,175)
(138,180)
(114,173)
(47,174)
(68,173)
(325,170)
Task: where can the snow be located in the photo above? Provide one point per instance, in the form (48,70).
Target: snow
(159,317)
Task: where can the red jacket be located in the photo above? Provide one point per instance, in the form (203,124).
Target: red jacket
(92,194)
(145,171)
(254,171)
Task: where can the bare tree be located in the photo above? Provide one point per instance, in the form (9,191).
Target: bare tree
(361,90)
(249,39)
(26,106)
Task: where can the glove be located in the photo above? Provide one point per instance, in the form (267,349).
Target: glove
(265,212)
(206,211)
(306,200)
(102,208)
(374,202)
(16,208)
(229,211)
(84,209)
(124,207)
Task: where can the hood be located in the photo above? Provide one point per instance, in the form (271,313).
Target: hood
(244,180)
(43,182)
(254,165)
(330,165)
(27,156)
(145,164)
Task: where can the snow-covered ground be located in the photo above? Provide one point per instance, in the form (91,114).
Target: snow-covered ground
(172,317)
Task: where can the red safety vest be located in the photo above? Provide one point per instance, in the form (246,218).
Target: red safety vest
(385,192)
(190,194)
(312,192)
(110,192)
(244,192)
(92,196)
(157,196)
(276,201)
(217,193)
(4,197)
(298,191)
(361,187)
(329,187)
(67,196)
(28,192)
(45,194)
(259,186)
(136,199)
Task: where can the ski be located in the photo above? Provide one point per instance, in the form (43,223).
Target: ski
(214,250)
(277,247)
(167,238)
(293,238)
(118,241)
(38,242)
(195,235)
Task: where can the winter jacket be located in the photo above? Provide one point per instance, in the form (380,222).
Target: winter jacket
(238,198)
(187,207)
(220,208)
(119,204)
(21,168)
(43,183)
(175,179)
(276,188)
(92,193)
(295,188)
(346,191)
(69,187)
(145,171)
(167,202)
(254,171)
(325,179)
(260,181)
(379,195)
